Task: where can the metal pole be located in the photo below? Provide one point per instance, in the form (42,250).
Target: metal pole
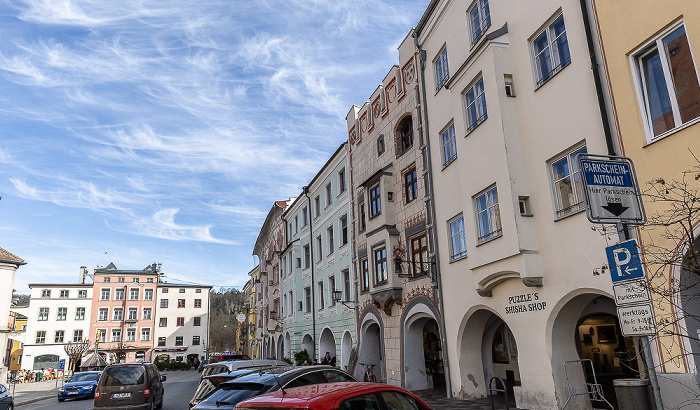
(646,342)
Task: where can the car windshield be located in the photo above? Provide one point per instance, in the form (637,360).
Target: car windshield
(124,375)
(84,377)
(233,393)
(214,370)
(208,385)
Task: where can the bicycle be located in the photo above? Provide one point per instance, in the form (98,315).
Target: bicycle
(369,374)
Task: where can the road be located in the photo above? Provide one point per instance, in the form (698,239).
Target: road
(179,389)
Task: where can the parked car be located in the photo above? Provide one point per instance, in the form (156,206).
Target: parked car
(130,385)
(211,382)
(229,394)
(201,365)
(80,385)
(340,396)
(6,400)
(220,357)
(231,365)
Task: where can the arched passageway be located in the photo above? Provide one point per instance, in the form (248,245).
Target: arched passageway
(326,344)
(307,343)
(371,351)
(345,350)
(288,346)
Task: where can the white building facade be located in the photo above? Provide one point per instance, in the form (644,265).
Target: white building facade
(181,322)
(58,314)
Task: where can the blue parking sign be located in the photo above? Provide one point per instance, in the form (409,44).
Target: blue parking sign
(624,261)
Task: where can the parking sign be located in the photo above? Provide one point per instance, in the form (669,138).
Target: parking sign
(624,261)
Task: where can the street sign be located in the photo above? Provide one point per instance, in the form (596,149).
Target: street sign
(62,364)
(610,189)
(631,291)
(624,261)
(241,317)
(637,320)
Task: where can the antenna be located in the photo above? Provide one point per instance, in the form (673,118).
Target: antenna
(278,380)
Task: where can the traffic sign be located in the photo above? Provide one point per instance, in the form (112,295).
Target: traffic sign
(610,189)
(62,364)
(241,317)
(631,291)
(624,261)
(637,320)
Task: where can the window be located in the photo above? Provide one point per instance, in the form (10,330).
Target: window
(164,303)
(163,322)
(399,400)
(149,280)
(276,274)
(380,145)
(566,183)
(77,336)
(101,335)
(321,302)
(80,313)
(104,294)
(63,294)
(329,194)
(362,224)
(45,293)
(43,313)
(182,290)
(198,291)
(133,294)
(380,272)
(145,334)
(488,216)
(103,314)
(331,244)
(165,290)
(107,280)
(375,201)
(40,337)
(551,51)
(180,321)
(82,294)
(419,254)
(161,341)
(364,265)
(58,336)
(118,314)
(196,321)
(404,136)
(479,19)
(118,294)
(346,285)
(195,340)
(178,340)
(365,401)
(410,185)
(442,72)
(317,204)
(181,303)
(61,313)
(307,298)
(475,101)
(307,256)
(135,280)
(343,230)
(319,247)
(120,279)
(458,240)
(668,81)
(116,335)
(133,313)
(147,314)
(148,294)
(342,186)
(130,335)
(305,216)
(198,303)
(449,146)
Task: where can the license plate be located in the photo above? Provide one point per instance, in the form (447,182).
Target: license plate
(121,395)
(72,392)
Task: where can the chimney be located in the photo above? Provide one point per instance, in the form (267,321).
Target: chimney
(81,276)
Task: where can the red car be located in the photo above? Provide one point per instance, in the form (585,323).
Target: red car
(341,396)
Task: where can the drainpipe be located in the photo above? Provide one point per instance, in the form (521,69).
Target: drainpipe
(313,280)
(430,205)
(353,252)
(623,231)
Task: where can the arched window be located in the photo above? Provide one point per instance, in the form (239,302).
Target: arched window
(404,136)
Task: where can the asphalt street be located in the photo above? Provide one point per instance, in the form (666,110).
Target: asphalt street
(179,389)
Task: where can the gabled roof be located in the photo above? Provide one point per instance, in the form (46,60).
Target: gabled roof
(8,257)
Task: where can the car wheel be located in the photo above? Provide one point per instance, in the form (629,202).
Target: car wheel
(10,407)
(61,400)
(160,405)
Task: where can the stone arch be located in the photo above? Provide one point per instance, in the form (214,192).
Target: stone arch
(307,343)
(371,344)
(280,348)
(419,314)
(326,343)
(345,350)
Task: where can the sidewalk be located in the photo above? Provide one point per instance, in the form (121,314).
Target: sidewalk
(25,393)
(437,401)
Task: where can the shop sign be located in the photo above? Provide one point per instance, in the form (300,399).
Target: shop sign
(631,291)
(527,302)
(637,320)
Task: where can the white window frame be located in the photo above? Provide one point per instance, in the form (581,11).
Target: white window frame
(46,293)
(560,211)
(461,236)
(82,294)
(478,88)
(116,335)
(105,294)
(442,69)
(449,143)
(119,294)
(64,294)
(642,96)
(493,213)
(103,314)
(342,185)
(133,311)
(331,242)
(43,314)
(114,314)
(329,194)
(134,294)
(147,314)
(148,295)
(61,314)
(78,335)
(40,337)
(103,336)
(478,28)
(79,316)
(130,335)
(556,65)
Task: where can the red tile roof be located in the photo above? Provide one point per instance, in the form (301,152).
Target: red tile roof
(7,256)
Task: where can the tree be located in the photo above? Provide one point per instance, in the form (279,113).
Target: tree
(75,350)
(224,328)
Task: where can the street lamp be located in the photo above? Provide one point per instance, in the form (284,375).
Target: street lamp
(338,297)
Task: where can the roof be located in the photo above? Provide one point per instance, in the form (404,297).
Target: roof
(111,269)
(8,257)
(60,285)
(302,394)
(182,285)
(274,374)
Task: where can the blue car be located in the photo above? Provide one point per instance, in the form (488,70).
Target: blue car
(80,385)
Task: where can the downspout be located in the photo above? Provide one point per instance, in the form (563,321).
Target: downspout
(623,231)
(430,204)
(313,280)
(353,252)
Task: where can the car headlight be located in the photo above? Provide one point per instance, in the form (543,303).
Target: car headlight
(61,389)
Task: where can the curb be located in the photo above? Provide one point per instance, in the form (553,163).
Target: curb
(29,401)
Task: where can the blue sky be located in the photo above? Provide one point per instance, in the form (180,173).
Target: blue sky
(159,131)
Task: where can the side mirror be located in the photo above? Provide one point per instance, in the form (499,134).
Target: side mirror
(163,378)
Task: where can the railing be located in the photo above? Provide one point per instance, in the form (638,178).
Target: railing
(504,390)
(591,391)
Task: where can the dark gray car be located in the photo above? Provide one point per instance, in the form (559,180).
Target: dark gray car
(6,400)
(137,386)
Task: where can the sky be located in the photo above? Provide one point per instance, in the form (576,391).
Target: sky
(140,132)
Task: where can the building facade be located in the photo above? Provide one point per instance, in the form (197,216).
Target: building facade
(399,316)
(653,93)
(123,311)
(181,322)
(58,314)
(17,337)
(315,263)
(250,307)
(8,266)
